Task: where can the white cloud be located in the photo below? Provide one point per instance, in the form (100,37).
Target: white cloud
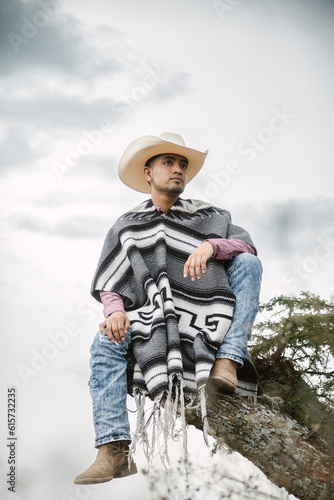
(148,67)
(54,41)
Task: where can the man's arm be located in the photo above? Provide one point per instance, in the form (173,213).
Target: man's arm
(228,249)
(116,324)
(219,248)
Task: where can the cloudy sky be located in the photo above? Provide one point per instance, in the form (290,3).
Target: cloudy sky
(249,80)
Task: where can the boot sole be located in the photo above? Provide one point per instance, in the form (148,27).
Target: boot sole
(121,473)
(221,383)
(93,480)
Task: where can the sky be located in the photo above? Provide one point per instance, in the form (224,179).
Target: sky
(251,81)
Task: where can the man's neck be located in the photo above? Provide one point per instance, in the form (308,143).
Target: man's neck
(165,201)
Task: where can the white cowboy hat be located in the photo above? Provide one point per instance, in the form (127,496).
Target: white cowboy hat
(131,165)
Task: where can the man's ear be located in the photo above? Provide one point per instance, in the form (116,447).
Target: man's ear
(147,173)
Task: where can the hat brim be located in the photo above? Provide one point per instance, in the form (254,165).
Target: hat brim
(132,163)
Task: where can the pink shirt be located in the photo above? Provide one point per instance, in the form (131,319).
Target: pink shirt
(222,249)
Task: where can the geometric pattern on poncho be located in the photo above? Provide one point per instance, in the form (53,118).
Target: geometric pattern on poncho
(177,325)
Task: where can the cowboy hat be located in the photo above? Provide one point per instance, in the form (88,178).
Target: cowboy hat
(134,158)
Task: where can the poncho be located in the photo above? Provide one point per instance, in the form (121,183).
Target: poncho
(177,325)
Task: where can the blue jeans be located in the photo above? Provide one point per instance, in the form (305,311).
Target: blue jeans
(244,275)
(108,389)
(108,381)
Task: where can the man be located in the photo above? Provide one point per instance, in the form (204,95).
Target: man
(170,275)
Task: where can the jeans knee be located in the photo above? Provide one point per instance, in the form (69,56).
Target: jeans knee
(255,263)
(251,262)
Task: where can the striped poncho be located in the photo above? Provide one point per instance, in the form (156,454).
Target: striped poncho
(177,325)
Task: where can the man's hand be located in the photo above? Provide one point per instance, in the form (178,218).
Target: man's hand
(116,326)
(197,261)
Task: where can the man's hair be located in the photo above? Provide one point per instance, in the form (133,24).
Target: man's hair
(151,160)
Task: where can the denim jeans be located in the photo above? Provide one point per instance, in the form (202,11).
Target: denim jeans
(108,381)
(108,389)
(244,275)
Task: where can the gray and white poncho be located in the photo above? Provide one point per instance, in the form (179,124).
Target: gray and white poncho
(177,325)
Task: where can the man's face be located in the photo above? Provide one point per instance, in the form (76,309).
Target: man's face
(168,173)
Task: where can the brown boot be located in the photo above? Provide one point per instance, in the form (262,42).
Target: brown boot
(111,462)
(224,374)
